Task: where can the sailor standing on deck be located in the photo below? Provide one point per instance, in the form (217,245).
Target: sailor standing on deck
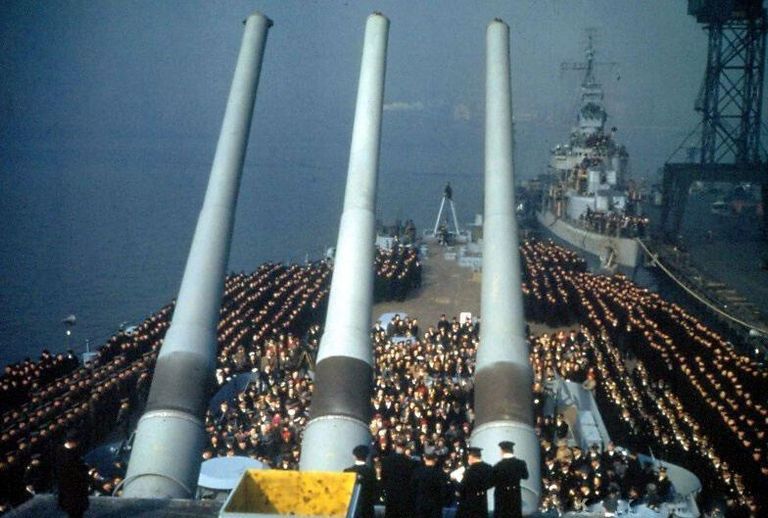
(366,476)
(430,488)
(507,474)
(473,485)
(72,478)
(396,471)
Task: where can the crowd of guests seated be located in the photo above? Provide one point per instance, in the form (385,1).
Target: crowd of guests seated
(422,397)
(265,420)
(614,223)
(574,479)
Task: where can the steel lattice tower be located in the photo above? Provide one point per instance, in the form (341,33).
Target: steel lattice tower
(731,103)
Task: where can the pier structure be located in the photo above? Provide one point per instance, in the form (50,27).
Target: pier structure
(166,455)
(341,404)
(731,148)
(503,375)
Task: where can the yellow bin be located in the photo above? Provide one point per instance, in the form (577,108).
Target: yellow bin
(263,493)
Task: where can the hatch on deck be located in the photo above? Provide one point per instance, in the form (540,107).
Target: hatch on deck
(292,493)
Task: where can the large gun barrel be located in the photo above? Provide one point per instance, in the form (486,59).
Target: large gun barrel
(341,404)
(166,455)
(503,376)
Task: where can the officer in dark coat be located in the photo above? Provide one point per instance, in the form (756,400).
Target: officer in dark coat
(430,489)
(72,478)
(507,474)
(396,471)
(477,479)
(664,485)
(366,477)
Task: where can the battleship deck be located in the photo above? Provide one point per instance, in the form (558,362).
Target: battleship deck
(446,288)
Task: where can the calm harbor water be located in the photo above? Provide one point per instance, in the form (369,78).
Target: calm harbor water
(89,239)
(104,236)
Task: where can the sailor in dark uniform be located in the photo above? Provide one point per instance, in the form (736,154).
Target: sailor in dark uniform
(72,478)
(664,485)
(560,427)
(366,477)
(507,474)
(396,471)
(473,500)
(430,488)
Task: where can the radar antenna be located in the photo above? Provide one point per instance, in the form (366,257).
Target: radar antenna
(588,66)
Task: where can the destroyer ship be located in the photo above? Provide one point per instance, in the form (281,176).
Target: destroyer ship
(588,201)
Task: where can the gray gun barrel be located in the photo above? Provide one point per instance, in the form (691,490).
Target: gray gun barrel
(503,376)
(341,403)
(166,455)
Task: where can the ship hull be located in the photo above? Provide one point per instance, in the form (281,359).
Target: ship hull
(626,250)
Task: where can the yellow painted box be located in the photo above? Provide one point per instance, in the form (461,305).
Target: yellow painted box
(268,493)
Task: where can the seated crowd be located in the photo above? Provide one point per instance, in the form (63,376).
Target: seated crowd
(666,384)
(261,315)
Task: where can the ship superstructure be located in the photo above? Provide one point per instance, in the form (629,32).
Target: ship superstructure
(589,202)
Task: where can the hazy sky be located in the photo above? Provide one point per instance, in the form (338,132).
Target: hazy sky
(110,111)
(137,85)
(131,73)
(130,88)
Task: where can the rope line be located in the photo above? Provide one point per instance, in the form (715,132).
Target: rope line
(655,259)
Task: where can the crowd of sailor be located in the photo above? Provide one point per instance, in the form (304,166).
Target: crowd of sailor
(662,378)
(57,398)
(614,223)
(399,273)
(574,479)
(87,401)
(21,378)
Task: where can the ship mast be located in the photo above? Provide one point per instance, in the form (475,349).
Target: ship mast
(591,115)
(589,76)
